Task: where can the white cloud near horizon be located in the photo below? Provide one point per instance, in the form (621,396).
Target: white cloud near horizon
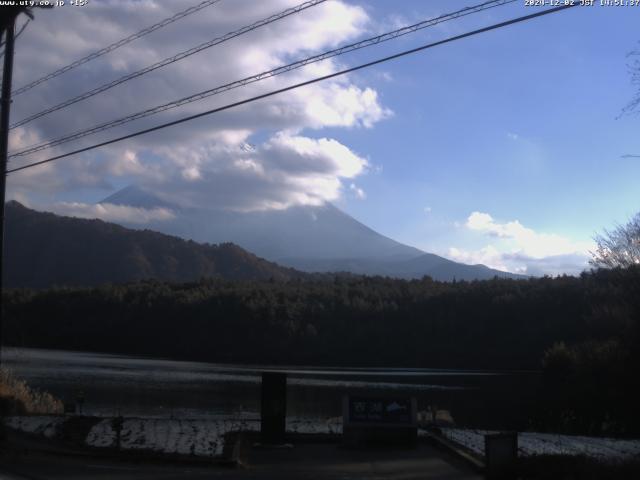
(202,161)
(112,213)
(519,249)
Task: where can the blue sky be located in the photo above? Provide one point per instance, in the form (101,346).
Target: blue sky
(521,123)
(506,148)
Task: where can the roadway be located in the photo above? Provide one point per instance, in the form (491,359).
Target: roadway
(304,461)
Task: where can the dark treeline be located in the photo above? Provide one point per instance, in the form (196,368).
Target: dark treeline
(498,323)
(583,331)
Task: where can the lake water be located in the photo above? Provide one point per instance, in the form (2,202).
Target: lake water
(138,386)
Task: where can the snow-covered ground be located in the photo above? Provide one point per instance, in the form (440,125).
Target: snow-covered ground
(206,437)
(45,425)
(165,435)
(531,443)
(198,437)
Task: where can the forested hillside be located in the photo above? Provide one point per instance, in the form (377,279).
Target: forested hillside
(44,249)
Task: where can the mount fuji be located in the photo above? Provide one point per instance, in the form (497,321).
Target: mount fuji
(308,238)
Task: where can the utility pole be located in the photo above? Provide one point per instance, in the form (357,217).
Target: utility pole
(8,16)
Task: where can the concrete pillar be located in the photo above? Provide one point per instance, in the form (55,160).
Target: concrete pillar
(501,455)
(273,407)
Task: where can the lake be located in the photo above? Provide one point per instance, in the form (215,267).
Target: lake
(151,387)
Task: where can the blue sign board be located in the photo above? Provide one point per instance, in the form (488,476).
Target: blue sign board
(381,410)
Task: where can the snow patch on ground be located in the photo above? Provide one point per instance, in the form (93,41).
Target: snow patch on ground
(102,434)
(199,437)
(166,435)
(330,426)
(45,425)
(531,443)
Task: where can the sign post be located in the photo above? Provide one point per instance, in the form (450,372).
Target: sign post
(379,420)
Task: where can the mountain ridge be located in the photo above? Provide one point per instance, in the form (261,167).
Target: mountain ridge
(45,249)
(299,231)
(308,238)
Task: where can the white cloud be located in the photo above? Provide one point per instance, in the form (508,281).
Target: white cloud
(525,240)
(126,163)
(386,76)
(112,213)
(357,191)
(296,153)
(282,171)
(519,249)
(427,210)
(201,160)
(488,256)
(344,107)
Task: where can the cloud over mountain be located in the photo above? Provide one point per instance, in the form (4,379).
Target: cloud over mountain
(113,213)
(202,162)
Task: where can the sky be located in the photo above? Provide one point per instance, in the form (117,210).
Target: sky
(510,148)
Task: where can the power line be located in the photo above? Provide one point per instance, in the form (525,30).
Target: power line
(24,25)
(261,76)
(173,59)
(297,85)
(118,44)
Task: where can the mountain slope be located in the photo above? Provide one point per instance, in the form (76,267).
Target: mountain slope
(44,249)
(297,232)
(307,238)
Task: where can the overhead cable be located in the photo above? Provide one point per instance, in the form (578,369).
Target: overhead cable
(170,60)
(115,45)
(297,85)
(261,76)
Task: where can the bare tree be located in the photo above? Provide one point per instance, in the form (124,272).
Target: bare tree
(619,247)
(634,71)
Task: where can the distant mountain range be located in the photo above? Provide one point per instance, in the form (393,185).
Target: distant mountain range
(309,238)
(43,249)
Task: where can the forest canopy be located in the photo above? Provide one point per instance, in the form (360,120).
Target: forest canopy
(581,332)
(499,323)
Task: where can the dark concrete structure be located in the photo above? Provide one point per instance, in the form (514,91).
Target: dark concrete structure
(273,407)
(501,452)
